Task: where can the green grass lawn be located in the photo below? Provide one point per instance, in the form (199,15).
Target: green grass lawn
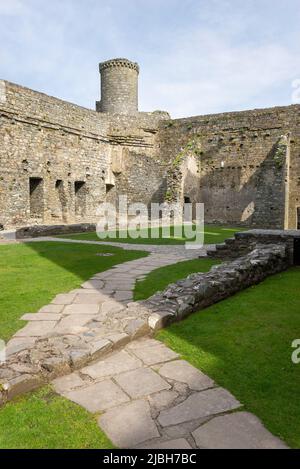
(212,235)
(244,344)
(160,278)
(45,420)
(32,274)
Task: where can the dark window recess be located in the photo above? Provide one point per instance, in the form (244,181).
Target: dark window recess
(189,212)
(80,198)
(298,218)
(109,187)
(36,197)
(296,251)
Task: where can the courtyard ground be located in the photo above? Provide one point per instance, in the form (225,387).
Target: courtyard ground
(212,235)
(32,274)
(243,343)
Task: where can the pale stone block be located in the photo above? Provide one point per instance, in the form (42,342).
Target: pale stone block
(180,443)
(36,329)
(162,399)
(89,299)
(74,321)
(182,371)
(110,307)
(240,430)
(198,405)
(129,425)
(64,299)
(55,309)
(96,284)
(117,363)
(67,383)
(141,382)
(154,354)
(98,397)
(41,317)
(82,309)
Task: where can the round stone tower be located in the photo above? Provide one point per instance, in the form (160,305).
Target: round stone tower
(119,87)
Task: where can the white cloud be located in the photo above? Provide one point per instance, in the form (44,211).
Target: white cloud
(196,56)
(208,71)
(11,7)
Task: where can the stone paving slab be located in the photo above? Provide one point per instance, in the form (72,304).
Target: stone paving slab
(240,430)
(110,306)
(17,344)
(56,309)
(184,372)
(141,382)
(90,298)
(161,407)
(129,425)
(98,397)
(123,295)
(68,383)
(199,405)
(180,443)
(152,355)
(163,399)
(64,299)
(41,317)
(119,362)
(87,308)
(36,329)
(177,410)
(95,284)
(72,322)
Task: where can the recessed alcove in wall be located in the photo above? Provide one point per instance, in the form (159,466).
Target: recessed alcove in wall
(80,197)
(61,196)
(109,187)
(36,197)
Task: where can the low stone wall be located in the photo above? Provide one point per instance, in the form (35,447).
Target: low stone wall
(57,354)
(245,241)
(200,290)
(50,230)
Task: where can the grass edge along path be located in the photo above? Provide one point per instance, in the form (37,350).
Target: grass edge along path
(244,344)
(45,420)
(159,279)
(32,274)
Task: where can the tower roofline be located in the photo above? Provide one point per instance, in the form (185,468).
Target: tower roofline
(119,62)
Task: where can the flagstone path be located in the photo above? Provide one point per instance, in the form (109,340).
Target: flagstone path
(104,295)
(144,395)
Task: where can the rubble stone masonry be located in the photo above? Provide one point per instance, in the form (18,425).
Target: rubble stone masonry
(58,161)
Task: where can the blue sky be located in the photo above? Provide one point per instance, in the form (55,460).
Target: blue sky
(196,56)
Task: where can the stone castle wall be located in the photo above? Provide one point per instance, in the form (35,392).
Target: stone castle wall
(242,170)
(59,161)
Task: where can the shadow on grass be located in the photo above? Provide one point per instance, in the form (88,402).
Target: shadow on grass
(32,274)
(212,235)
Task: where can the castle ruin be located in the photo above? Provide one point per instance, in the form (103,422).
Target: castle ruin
(59,161)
